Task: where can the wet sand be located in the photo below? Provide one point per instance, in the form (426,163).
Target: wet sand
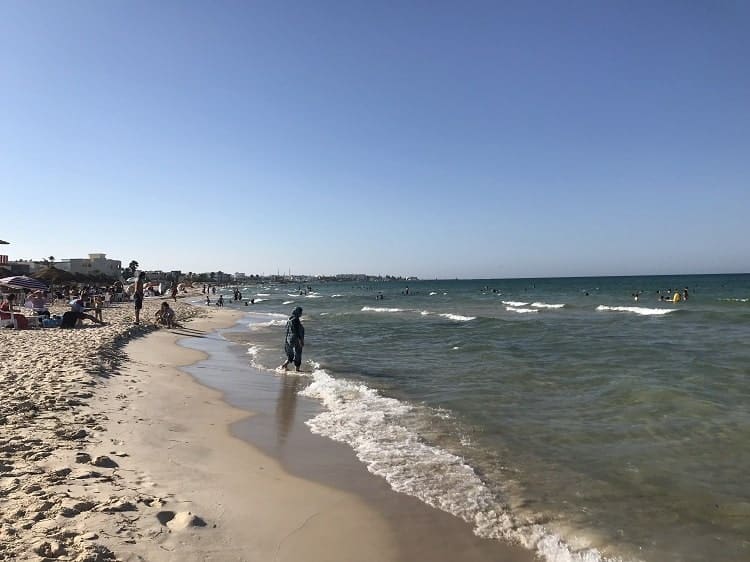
(131,458)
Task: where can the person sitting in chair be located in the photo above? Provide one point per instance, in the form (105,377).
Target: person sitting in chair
(38,304)
(8,306)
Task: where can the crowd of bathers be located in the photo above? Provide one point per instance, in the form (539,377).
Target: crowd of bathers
(667,295)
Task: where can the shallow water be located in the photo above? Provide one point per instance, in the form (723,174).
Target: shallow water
(560,413)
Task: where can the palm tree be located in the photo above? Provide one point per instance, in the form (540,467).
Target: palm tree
(51,259)
(132,266)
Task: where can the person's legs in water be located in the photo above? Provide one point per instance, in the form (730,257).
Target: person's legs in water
(289,350)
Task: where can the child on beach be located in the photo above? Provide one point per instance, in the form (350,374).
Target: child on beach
(98,305)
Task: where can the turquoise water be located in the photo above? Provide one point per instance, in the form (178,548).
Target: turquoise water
(559,413)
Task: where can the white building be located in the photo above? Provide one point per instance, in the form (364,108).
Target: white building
(94,264)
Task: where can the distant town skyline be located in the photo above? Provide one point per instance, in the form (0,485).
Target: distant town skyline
(440,139)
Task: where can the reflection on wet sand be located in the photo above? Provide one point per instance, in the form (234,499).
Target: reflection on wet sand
(286,406)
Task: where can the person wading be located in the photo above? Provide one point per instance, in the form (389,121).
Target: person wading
(295,339)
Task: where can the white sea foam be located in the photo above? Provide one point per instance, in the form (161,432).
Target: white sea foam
(253,351)
(336,296)
(259,325)
(287,302)
(545,305)
(260,300)
(425,313)
(514,303)
(376,428)
(264,294)
(312,296)
(734,300)
(270,315)
(458,317)
(636,310)
(520,310)
(378,309)
(433,293)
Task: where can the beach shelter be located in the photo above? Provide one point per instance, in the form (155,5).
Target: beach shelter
(54,275)
(23,282)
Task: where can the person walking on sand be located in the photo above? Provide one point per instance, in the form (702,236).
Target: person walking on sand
(138,296)
(295,339)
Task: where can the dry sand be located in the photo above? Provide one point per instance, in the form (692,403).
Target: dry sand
(58,499)
(109,452)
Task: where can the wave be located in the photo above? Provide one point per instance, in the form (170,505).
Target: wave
(275,322)
(520,310)
(376,427)
(545,305)
(253,351)
(433,293)
(263,294)
(458,317)
(734,300)
(636,310)
(378,309)
(287,302)
(336,296)
(514,303)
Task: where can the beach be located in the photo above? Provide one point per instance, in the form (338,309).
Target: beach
(111,451)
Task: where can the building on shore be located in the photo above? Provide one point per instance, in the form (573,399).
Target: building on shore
(95,264)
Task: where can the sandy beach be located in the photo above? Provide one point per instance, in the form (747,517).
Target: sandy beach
(110,452)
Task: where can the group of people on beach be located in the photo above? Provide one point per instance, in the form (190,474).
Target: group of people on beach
(36,303)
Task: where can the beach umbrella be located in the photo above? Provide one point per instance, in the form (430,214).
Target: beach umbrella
(22,282)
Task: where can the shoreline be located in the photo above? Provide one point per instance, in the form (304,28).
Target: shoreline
(158,466)
(277,428)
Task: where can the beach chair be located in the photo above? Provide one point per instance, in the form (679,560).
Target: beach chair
(6,320)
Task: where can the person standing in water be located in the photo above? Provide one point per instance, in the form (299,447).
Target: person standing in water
(295,339)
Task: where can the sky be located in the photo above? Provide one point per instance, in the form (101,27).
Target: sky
(437,139)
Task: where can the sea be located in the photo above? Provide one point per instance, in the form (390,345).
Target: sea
(587,419)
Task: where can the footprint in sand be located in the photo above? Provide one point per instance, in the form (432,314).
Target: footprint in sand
(179,521)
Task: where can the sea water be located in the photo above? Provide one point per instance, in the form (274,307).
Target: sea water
(563,414)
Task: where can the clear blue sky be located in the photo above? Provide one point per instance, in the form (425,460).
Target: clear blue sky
(438,139)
